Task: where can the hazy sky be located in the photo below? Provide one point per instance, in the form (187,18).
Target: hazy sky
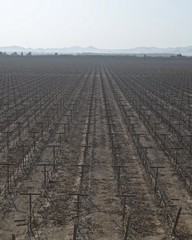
(101,23)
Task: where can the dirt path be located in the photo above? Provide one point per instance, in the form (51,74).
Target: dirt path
(106,223)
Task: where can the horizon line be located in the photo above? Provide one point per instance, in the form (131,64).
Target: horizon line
(91,46)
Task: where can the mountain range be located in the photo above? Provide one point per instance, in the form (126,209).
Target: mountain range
(185,51)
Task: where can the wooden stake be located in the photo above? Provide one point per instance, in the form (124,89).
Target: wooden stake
(176,221)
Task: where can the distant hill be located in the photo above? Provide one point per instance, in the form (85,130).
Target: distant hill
(186,51)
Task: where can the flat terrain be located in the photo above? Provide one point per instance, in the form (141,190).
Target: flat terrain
(95,148)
